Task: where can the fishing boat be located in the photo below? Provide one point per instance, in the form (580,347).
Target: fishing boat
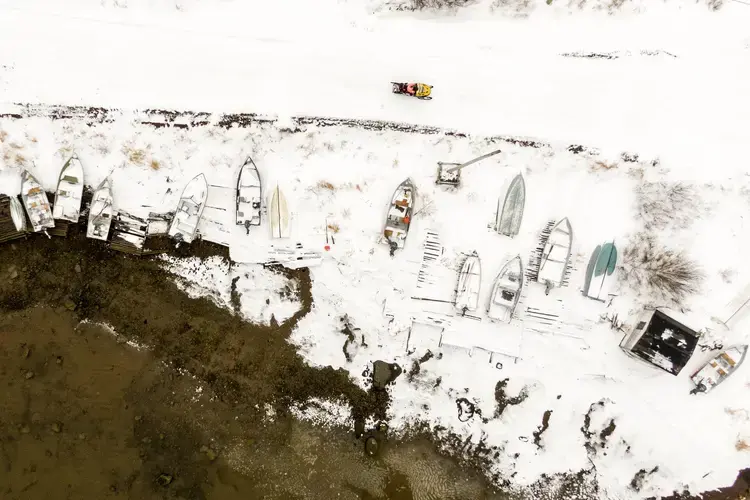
(17,214)
(506,291)
(600,276)
(189,210)
(69,191)
(248,195)
(469,281)
(278,214)
(556,254)
(398,219)
(100,212)
(718,369)
(36,203)
(510,208)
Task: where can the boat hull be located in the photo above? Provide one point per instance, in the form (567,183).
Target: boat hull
(189,210)
(278,214)
(36,203)
(506,291)
(400,210)
(556,254)
(469,282)
(100,212)
(69,191)
(510,208)
(249,195)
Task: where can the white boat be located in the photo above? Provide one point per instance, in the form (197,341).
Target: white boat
(510,208)
(469,281)
(604,261)
(278,214)
(248,195)
(189,210)
(100,212)
(36,203)
(556,254)
(17,214)
(718,369)
(506,291)
(400,210)
(69,191)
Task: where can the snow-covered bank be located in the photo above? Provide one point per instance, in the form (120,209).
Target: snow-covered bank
(342,178)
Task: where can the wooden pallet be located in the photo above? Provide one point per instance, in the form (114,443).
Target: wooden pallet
(432,250)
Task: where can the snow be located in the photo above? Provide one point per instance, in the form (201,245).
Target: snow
(674,92)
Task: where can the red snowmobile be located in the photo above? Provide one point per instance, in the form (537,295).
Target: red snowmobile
(418,90)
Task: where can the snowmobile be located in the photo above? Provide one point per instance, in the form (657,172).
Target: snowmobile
(418,90)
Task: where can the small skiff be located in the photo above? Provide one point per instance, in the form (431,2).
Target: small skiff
(189,210)
(556,254)
(718,369)
(510,208)
(278,214)
(17,214)
(69,191)
(36,203)
(100,212)
(400,210)
(506,291)
(604,264)
(248,195)
(469,281)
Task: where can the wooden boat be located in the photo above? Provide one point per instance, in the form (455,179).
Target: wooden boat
(556,254)
(17,214)
(69,191)
(248,195)
(36,203)
(718,369)
(100,212)
(400,210)
(600,280)
(506,291)
(469,281)
(189,210)
(278,214)
(510,208)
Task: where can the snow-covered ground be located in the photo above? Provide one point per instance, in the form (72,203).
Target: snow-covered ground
(344,177)
(673,90)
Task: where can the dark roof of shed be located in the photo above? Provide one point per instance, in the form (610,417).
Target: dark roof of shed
(666,343)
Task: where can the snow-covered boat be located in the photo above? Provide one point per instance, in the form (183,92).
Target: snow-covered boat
(100,211)
(17,214)
(278,214)
(600,281)
(506,291)
(400,210)
(69,191)
(510,208)
(189,210)
(718,369)
(248,195)
(556,254)
(469,281)
(36,203)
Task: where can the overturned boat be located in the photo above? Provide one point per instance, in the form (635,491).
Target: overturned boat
(398,219)
(248,195)
(718,369)
(278,214)
(600,273)
(36,203)
(17,214)
(189,210)
(510,208)
(469,282)
(556,255)
(69,191)
(506,291)
(100,212)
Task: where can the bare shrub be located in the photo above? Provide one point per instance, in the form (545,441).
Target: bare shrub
(21,160)
(715,5)
(741,445)
(603,165)
(325,185)
(136,156)
(435,4)
(333,227)
(650,267)
(154,164)
(663,204)
(727,275)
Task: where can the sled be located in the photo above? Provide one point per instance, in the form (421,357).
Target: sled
(423,90)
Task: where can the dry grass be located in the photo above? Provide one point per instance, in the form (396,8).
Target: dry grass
(31,138)
(326,185)
(661,204)
(134,155)
(741,445)
(603,165)
(3,135)
(154,164)
(21,160)
(651,268)
(333,227)
(346,213)
(727,275)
